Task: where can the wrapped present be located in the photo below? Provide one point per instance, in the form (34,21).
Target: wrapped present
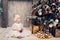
(57,33)
(34,28)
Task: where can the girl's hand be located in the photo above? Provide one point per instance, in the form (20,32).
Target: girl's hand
(21,30)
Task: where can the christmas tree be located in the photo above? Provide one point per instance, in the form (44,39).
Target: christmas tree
(47,13)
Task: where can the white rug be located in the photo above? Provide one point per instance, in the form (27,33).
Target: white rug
(4,31)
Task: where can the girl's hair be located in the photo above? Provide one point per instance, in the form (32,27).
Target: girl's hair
(15,16)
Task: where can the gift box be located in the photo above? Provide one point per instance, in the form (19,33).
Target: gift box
(57,33)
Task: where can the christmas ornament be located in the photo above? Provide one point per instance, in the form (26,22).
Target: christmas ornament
(50,25)
(40,12)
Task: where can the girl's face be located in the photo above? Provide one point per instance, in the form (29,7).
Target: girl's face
(18,20)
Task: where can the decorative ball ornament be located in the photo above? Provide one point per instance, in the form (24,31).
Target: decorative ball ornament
(40,12)
(44,23)
(56,20)
(50,25)
(55,24)
(58,8)
(53,4)
(47,7)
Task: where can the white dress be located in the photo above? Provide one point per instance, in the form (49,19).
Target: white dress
(19,26)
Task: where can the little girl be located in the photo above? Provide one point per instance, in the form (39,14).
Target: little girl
(18,29)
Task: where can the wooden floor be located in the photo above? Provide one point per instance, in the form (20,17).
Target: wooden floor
(4,32)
